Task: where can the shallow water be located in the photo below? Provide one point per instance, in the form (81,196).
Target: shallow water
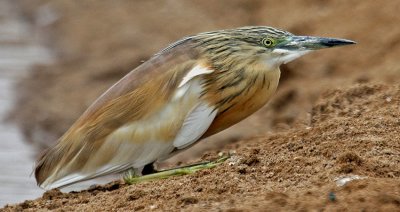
(19,50)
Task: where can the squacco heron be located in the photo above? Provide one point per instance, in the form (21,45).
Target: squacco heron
(194,88)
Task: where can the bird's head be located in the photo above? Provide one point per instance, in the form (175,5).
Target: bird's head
(270,45)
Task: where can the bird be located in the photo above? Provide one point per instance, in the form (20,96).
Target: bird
(190,90)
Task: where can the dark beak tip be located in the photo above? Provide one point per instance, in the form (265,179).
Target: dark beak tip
(337,42)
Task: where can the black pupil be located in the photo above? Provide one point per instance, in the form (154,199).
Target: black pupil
(268,42)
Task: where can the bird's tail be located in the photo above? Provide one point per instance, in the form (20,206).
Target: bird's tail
(54,163)
(67,163)
(46,164)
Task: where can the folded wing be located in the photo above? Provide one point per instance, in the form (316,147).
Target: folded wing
(143,117)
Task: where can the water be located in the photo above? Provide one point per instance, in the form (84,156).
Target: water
(19,50)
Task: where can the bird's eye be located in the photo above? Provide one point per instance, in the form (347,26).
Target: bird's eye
(268,42)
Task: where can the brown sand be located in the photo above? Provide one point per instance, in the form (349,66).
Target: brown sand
(336,112)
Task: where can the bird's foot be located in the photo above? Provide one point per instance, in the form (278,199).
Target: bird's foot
(129,174)
(184,170)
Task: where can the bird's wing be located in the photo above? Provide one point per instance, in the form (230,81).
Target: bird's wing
(195,125)
(98,143)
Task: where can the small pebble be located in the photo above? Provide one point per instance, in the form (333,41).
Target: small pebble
(332,196)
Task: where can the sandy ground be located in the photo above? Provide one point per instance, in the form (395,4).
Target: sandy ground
(354,134)
(336,112)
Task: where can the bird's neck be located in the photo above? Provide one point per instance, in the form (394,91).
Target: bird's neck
(238,93)
(241,78)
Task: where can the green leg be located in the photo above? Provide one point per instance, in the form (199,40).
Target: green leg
(131,178)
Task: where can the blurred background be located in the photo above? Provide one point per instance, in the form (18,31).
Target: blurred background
(57,57)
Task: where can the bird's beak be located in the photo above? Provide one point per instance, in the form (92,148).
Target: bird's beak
(304,43)
(296,46)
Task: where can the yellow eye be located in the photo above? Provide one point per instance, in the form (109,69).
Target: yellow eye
(268,42)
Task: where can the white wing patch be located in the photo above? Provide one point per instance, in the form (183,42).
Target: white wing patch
(195,125)
(196,71)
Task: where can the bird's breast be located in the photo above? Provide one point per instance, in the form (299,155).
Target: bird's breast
(239,101)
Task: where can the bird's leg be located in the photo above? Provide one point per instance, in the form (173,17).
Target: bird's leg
(175,171)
